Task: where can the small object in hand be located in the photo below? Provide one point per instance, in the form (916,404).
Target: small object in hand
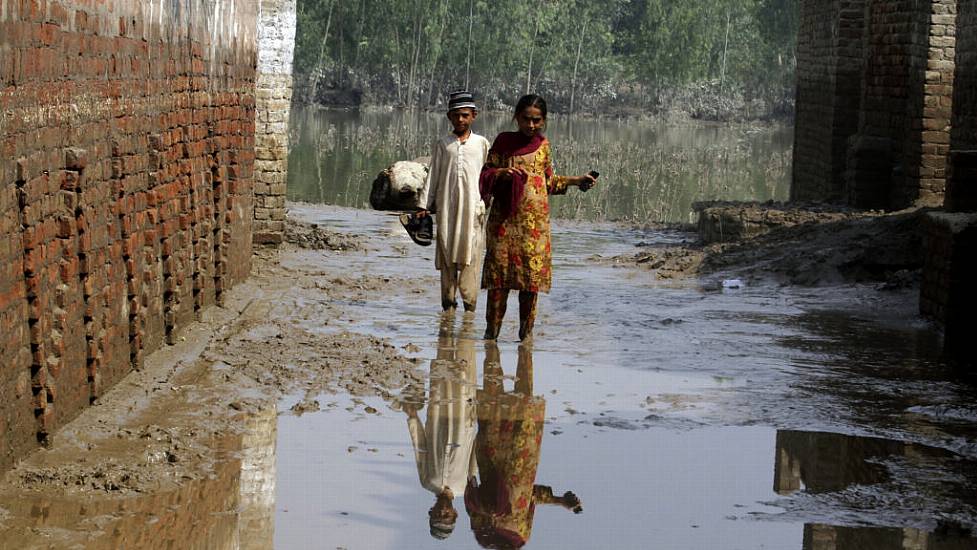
(587,184)
(420,229)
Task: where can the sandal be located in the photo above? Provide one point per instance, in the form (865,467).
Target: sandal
(420,230)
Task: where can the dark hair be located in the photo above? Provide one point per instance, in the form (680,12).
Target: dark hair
(530,100)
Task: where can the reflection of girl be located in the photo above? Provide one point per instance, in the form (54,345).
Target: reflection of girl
(518,177)
(502,502)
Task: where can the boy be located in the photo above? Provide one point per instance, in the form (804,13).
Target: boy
(452,195)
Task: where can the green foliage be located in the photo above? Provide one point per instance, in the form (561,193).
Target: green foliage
(590,54)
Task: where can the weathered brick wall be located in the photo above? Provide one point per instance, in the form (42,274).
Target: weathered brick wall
(126,160)
(276,45)
(962,184)
(905,120)
(947,292)
(830,61)
(874,96)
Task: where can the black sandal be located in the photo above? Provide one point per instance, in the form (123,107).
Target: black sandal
(420,230)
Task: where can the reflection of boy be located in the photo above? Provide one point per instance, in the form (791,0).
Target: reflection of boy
(452,195)
(443,445)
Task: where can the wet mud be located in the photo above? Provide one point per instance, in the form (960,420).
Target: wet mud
(330,402)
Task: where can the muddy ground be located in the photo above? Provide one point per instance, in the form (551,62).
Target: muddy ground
(286,330)
(810,246)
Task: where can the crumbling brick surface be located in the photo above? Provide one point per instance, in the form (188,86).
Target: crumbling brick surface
(126,182)
(962,184)
(830,62)
(874,99)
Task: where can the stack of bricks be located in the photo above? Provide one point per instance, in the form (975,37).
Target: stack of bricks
(830,61)
(126,183)
(274,95)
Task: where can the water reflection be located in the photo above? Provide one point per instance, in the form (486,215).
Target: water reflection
(650,171)
(821,462)
(501,501)
(443,444)
(818,536)
(233,508)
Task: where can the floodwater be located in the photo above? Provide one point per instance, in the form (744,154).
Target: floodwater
(650,170)
(682,416)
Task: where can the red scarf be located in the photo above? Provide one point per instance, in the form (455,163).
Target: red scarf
(507,145)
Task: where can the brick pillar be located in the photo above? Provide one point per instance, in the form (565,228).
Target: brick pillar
(276,43)
(830,60)
(899,156)
(947,293)
(962,173)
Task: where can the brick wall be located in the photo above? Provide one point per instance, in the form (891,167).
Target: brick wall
(830,61)
(126,200)
(874,96)
(962,184)
(276,44)
(908,83)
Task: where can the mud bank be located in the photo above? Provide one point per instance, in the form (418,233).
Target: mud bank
(810,245)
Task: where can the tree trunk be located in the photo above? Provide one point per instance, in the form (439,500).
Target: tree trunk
(532,50)
(576,63)
(322,53)
(468,59)
(722,75)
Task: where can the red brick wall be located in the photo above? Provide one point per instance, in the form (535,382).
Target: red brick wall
(126,155)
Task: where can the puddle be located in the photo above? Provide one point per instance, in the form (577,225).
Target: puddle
(233,508)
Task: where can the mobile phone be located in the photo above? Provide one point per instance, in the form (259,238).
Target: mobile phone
(587,185)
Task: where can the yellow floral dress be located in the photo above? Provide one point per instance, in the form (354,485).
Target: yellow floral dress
(518,253)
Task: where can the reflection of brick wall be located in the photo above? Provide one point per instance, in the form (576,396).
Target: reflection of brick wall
(126,154)
(276,44)
(830,58)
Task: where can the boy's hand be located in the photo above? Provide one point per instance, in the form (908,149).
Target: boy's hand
(422,213)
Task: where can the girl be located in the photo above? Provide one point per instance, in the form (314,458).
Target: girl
(518,177)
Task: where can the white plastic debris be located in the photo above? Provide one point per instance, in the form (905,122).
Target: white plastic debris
(733,283)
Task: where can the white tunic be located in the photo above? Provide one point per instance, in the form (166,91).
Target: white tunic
(452,194)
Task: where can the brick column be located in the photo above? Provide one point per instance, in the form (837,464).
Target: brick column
(899,157)
(276,43)
(962,176)
(830,61)
(947,293)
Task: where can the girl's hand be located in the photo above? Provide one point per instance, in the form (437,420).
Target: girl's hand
(509,172)
(586,182)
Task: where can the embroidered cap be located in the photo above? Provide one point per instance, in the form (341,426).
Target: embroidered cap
(460,99)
